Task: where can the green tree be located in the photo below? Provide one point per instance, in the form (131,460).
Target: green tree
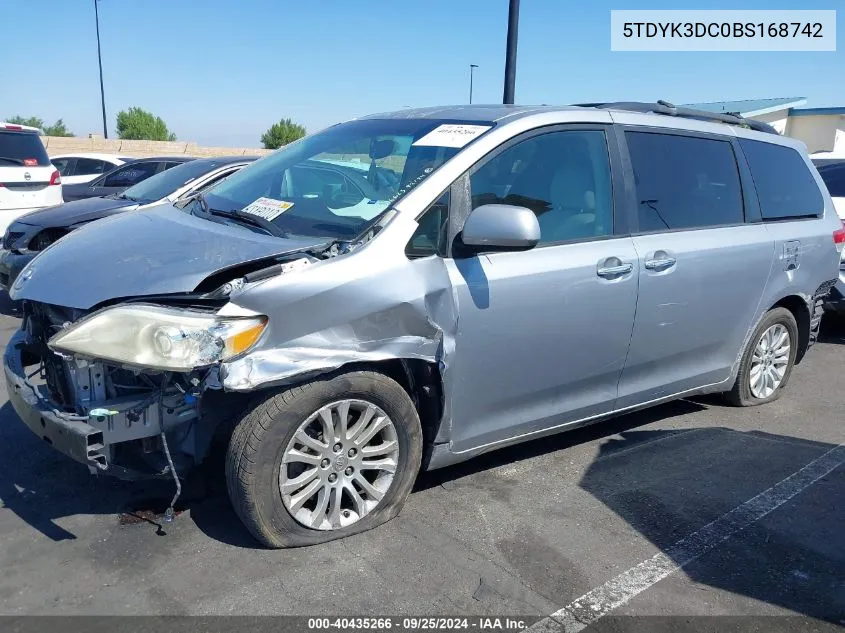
(139,124)
(57,129)
(282,133)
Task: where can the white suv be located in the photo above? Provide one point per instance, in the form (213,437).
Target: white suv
(28,180)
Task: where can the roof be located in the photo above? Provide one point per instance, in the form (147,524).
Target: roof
(220,161)
(816,111)
(488,113)
(19,128)
(750,107)
(172,159)
(96,155)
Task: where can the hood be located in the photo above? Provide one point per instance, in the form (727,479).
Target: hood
(161,250)
(78,211)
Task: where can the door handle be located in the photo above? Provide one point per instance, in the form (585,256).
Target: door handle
(660,263)
(614,271)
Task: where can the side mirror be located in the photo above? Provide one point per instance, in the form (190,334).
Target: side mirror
(500,227)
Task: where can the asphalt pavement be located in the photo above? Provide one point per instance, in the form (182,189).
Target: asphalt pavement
(526,530)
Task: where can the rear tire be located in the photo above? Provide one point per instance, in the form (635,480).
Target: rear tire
(259,460)
(759,378)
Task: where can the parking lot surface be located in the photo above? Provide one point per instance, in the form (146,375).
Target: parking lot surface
(525,530)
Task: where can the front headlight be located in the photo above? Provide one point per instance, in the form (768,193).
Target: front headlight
(169,339)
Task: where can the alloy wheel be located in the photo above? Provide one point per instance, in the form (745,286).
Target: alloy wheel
(339,464)
(769,361)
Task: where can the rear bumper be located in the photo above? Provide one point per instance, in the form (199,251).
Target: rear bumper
(835,301)
(66,433)
(11,264)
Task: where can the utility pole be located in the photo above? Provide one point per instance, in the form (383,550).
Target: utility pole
(510,54)
(471,68)
(100,60)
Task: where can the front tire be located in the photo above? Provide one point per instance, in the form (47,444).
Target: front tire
(768,360)
(324,460)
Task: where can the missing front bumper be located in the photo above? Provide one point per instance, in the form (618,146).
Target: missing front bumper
(111,423)
(74,437)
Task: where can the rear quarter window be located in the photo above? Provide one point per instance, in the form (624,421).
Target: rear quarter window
(785,187)
(23,149)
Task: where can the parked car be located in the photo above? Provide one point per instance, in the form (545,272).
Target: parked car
(84,167)
(32,233)
(537,269)
(833,175)
(27,179)
(123,177)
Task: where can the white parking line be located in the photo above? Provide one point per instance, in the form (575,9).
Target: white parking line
(580,613)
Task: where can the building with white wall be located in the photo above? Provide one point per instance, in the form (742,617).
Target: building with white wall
(822,129)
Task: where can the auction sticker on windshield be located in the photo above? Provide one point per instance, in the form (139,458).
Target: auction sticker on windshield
(267,208)
(452,135)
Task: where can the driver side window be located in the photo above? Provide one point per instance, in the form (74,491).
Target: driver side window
(563,177)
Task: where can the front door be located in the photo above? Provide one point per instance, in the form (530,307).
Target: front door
(543,334)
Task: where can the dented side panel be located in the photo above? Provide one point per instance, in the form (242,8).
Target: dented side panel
(371,305)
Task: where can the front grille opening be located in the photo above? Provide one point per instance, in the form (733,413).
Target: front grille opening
(10,238)
(43,366)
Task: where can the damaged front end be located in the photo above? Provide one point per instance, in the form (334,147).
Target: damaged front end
(135,376)
(128,422)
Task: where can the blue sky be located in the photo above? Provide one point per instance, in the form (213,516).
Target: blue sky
(221,71)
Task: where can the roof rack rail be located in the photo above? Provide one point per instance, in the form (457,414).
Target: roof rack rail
(668,109)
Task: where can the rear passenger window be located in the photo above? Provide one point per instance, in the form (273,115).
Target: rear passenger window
(785,186)
(684,182)
(63,165)
(88,166)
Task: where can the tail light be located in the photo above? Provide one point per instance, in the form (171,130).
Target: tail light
(839,238)
(55,178)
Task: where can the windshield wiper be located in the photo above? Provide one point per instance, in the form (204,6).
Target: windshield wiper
(244,218)
(14,161)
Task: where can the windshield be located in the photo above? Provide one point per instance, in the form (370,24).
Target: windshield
(166,182)
(333,184)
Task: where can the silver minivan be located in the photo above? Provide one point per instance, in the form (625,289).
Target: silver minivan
(410,290)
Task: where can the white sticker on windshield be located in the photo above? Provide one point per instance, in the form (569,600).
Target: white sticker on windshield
(452,135)
(267,208)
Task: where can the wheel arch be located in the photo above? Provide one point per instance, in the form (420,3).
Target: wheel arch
(797,305)
(421,379)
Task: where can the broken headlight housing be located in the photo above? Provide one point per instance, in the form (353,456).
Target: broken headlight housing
(155,337)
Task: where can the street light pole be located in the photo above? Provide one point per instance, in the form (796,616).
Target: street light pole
(510,54)
(471,68)
(100,60)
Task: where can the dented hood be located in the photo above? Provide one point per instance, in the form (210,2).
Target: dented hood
(161,250)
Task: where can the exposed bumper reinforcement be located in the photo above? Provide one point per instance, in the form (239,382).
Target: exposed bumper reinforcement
(73,437)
